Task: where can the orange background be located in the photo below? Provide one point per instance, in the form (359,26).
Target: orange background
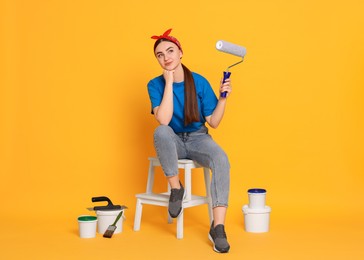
(75,116)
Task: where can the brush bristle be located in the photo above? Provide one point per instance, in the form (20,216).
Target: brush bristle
(110,231)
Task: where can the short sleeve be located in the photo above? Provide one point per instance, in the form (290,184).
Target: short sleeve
(208,99)
(155,94)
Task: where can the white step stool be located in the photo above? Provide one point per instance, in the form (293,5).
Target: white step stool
(162,199)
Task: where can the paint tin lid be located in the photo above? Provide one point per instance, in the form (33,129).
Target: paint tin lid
(257,191)
(87,218)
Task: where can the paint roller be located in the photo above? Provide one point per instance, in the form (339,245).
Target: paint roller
(233,49)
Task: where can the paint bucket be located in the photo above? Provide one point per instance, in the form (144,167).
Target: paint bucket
(107,218)
(256,220)
(257,198)
(87,226)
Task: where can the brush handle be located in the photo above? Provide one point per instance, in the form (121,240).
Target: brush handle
(117,218)
(226,75)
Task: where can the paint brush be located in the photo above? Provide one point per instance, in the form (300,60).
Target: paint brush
(110,230)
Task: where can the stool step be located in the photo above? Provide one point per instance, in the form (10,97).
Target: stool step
(162,199)
(154,196)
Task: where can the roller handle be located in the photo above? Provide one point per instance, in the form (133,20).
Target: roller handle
(226,75)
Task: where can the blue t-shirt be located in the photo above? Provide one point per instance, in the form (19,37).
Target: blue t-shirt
(206,99)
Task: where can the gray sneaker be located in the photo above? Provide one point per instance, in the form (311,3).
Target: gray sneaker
(175,201)
(218,237)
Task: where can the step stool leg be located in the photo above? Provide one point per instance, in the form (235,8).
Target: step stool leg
(180,226)
(150,181)
(138,215)
(208,191)
(170,219)
(188,183)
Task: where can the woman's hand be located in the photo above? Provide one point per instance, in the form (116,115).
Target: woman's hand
(225,87)
(168,76)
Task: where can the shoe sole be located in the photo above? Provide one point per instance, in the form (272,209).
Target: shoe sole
(183,198)
(215,249)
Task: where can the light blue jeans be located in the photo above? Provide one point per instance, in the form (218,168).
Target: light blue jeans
(200,147)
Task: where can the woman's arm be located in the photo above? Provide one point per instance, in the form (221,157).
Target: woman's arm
(216,117)
(164,112)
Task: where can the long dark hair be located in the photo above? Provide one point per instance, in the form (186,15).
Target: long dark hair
(191,105)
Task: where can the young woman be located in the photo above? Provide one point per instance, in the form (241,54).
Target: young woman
(182,101)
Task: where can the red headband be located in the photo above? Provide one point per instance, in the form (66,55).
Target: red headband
(168,37)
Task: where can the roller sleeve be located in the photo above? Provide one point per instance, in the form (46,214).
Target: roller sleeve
(230,48)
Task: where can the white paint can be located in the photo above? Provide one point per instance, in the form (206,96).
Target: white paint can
(87,226)
(257,198)
(256,220)
(107,218)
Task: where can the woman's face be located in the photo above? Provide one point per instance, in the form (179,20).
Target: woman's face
(168,55)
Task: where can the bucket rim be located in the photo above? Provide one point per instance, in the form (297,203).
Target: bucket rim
(257,191)
(108,212)
(247,210)
(87,218)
